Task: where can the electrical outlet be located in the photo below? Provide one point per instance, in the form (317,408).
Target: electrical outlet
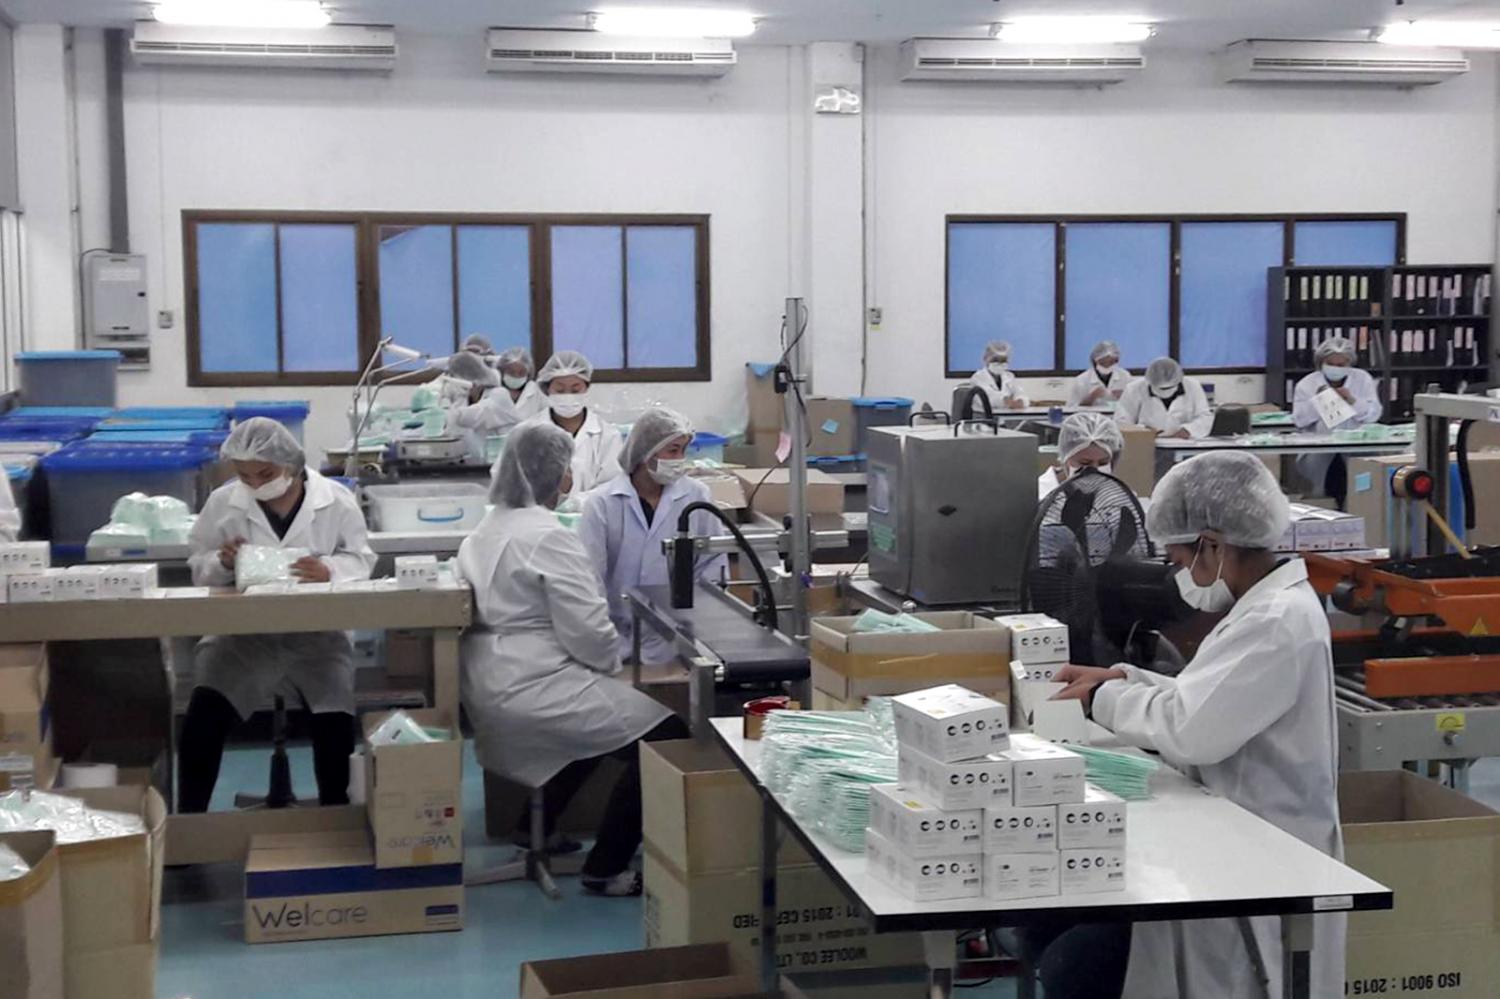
(876,314)
(164,319)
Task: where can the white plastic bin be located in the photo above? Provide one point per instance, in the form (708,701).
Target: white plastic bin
(423,506)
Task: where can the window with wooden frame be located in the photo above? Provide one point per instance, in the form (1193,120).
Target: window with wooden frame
(299,298)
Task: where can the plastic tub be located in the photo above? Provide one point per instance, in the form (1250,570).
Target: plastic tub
(68,377)
(290,413)
(424,506)
(707,445)
(216,416)
(877,411)
(95,413)
(60,432)
(840,463)
(148,436)
(83,482)
(184,423)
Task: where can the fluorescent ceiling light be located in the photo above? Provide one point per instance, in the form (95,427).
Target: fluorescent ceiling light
(1455,34)
(1072,30)
(243,13)
(668,22)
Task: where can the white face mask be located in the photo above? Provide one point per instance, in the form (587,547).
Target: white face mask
(273,490)
(1105,370)
(1335,374)
(1213,598)
(1068,473)
(997,368)
(1165,393)
(514,381)
(669,470)
(568,405)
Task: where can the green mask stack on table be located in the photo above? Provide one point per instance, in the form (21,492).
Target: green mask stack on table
(1125,775)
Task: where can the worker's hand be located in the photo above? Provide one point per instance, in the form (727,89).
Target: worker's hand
(311,569)
(1015,404)
(1093,397)
(228,551)
(1181,434)
(1345,394)
(1117,393)
(1082,681)
(475,394)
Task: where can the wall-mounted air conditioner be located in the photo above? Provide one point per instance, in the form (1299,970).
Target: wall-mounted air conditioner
(1259,60)
(986,60)
(531,50)
(342,46)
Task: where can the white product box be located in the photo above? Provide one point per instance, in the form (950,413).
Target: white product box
(1036,638)
(417,572)
(127,581)
(1011,876)
(929,879)
(1097,822)
(24,556)
(80,582)
(1328,531)
(1033,672)
(951,723)
(921,830)
(1090,871)
(952,786)
(32,587)
(1020,829)
(1044,774)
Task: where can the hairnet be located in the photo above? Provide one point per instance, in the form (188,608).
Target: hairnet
(654,430)
(261,438)
(531,469)
(996,350)
(1229,492)
(565,362)
(1104,348)
(471,368)
(1333,347)
(1164,373)
(516,355)
(478,343)
(1083,430)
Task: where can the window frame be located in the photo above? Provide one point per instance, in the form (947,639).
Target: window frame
(367,280)
(1288,223)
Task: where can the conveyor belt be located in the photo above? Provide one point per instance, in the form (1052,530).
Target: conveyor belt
(750,653)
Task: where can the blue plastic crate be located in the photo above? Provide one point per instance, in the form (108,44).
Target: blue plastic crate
(878,411)
(290,413)
(63,412)
(837,463)
(217,416)
(86,478)
(68,377)
(182,424)
(707,445)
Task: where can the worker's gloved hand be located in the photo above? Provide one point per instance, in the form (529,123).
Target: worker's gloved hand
(311,569)
(228,551)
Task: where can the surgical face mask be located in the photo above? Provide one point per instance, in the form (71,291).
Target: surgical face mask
(1214,598)
(997,368)
(1068,472)
(1105,370)
(514,381)
(568,405)
(1166,392)
(669,470)
(273,490)
(1335,374)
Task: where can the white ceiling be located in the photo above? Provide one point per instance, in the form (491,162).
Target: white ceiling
(1183,23)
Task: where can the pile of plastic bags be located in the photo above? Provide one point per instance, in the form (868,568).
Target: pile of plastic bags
(1125,775)
(821,765)
(138,520)
(70,818)
(12,866)
(258,565)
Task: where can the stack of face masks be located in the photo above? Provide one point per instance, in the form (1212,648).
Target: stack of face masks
(821,765)
(401,729)
(1124,775)
(901,624)
(71,819)
(257,565)
(138,520)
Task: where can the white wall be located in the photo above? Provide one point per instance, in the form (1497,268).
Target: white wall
(1172,141)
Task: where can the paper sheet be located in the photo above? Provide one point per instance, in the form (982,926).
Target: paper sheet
(1332,408)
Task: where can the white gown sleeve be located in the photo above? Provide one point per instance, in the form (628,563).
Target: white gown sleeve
(1128,411)
(580,614)
(1201,418)
(1367,407)
(10,517)
(352,558)
(207,537)
(1304,413)
(593,531)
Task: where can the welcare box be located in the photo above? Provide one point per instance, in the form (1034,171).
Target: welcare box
(1036,638)
(924,879)
(951,786)
(921,830)
(1044,774)
(1085,872)
(951,723)
(1012,876)
(1020,829)
(1097,821)
(414,795)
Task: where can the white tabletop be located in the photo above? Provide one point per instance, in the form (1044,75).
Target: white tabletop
(1293,443)
(1189,855)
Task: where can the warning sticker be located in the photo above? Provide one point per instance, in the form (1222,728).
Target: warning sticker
(1451,721)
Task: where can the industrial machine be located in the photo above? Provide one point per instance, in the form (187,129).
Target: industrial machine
(949,511)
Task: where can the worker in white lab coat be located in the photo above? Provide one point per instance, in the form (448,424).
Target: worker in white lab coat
(626,520)
(275,500)
(1084,441)
(10,517)
(540,666)
(1252,716)
(500,397)
(565,380)
(1104,381)
(1336,374)
(997,380)
(1167,401)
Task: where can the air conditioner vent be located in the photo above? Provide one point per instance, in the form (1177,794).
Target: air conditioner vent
(344,46)
(987,60)
(530,50)
(1294,61)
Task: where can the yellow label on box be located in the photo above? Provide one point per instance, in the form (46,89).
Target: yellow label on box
(1451,721)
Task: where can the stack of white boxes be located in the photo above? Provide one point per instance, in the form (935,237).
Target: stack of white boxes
(26,577)
(981,814)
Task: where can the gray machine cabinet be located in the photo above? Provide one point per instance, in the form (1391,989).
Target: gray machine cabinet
(949,511)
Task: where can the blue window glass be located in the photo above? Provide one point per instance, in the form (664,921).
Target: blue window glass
(588,281)
(494,283)
(416,287)
(1118,287)
(1223,287)
(319,298)
(236,296)
(1002,285)
(1344,244)
(661,267)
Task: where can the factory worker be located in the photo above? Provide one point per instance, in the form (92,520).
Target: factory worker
(1085,440)
(564,381)
(541,663)
(995,377)
(501,397)
(1167,401)
(10,517)
(1337,374)
(1104,381)
(274,500)
(626,520)
(478,343)
(1251,716)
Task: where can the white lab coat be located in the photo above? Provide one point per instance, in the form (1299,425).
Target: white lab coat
(318,666)
(540,664)
(1047,482)
(1088,380)
(10,517)
(1190,410)
(1252,718)
(596,451)
(1001,393)
(1367,409)
(627,551)
(496,412)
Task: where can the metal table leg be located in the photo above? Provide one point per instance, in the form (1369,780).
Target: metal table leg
(769,828)
(941,951)
(1296,956)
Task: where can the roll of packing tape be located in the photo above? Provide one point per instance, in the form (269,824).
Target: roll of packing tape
(357,779)
(81,775)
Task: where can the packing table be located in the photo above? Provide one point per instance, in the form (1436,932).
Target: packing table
(1189,855)
(1293,443)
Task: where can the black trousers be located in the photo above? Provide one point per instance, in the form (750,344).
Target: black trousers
(619,835)
(1078,960)
(211,718)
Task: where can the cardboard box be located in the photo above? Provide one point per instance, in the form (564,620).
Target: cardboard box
(830,426)
(1315,529)
(224,837)
(1437,850)
(1369,497)
(415,796)
(416,572)
(1036,639)
(929,879)
(757,453)
(1137,465)
(130,581)
(707,971)
(1098,821)
(952,723)
(324,886)
(726,490)
(970,650)
(24,556)
(1088,872)
(920,830)
(953,786)
(79,582)
(115,973)
(31,942)
(1020,829)
(25,714)
(818,928)
(1044,774)
(766,407)
(767,490)
(32,587)
(1012,876)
